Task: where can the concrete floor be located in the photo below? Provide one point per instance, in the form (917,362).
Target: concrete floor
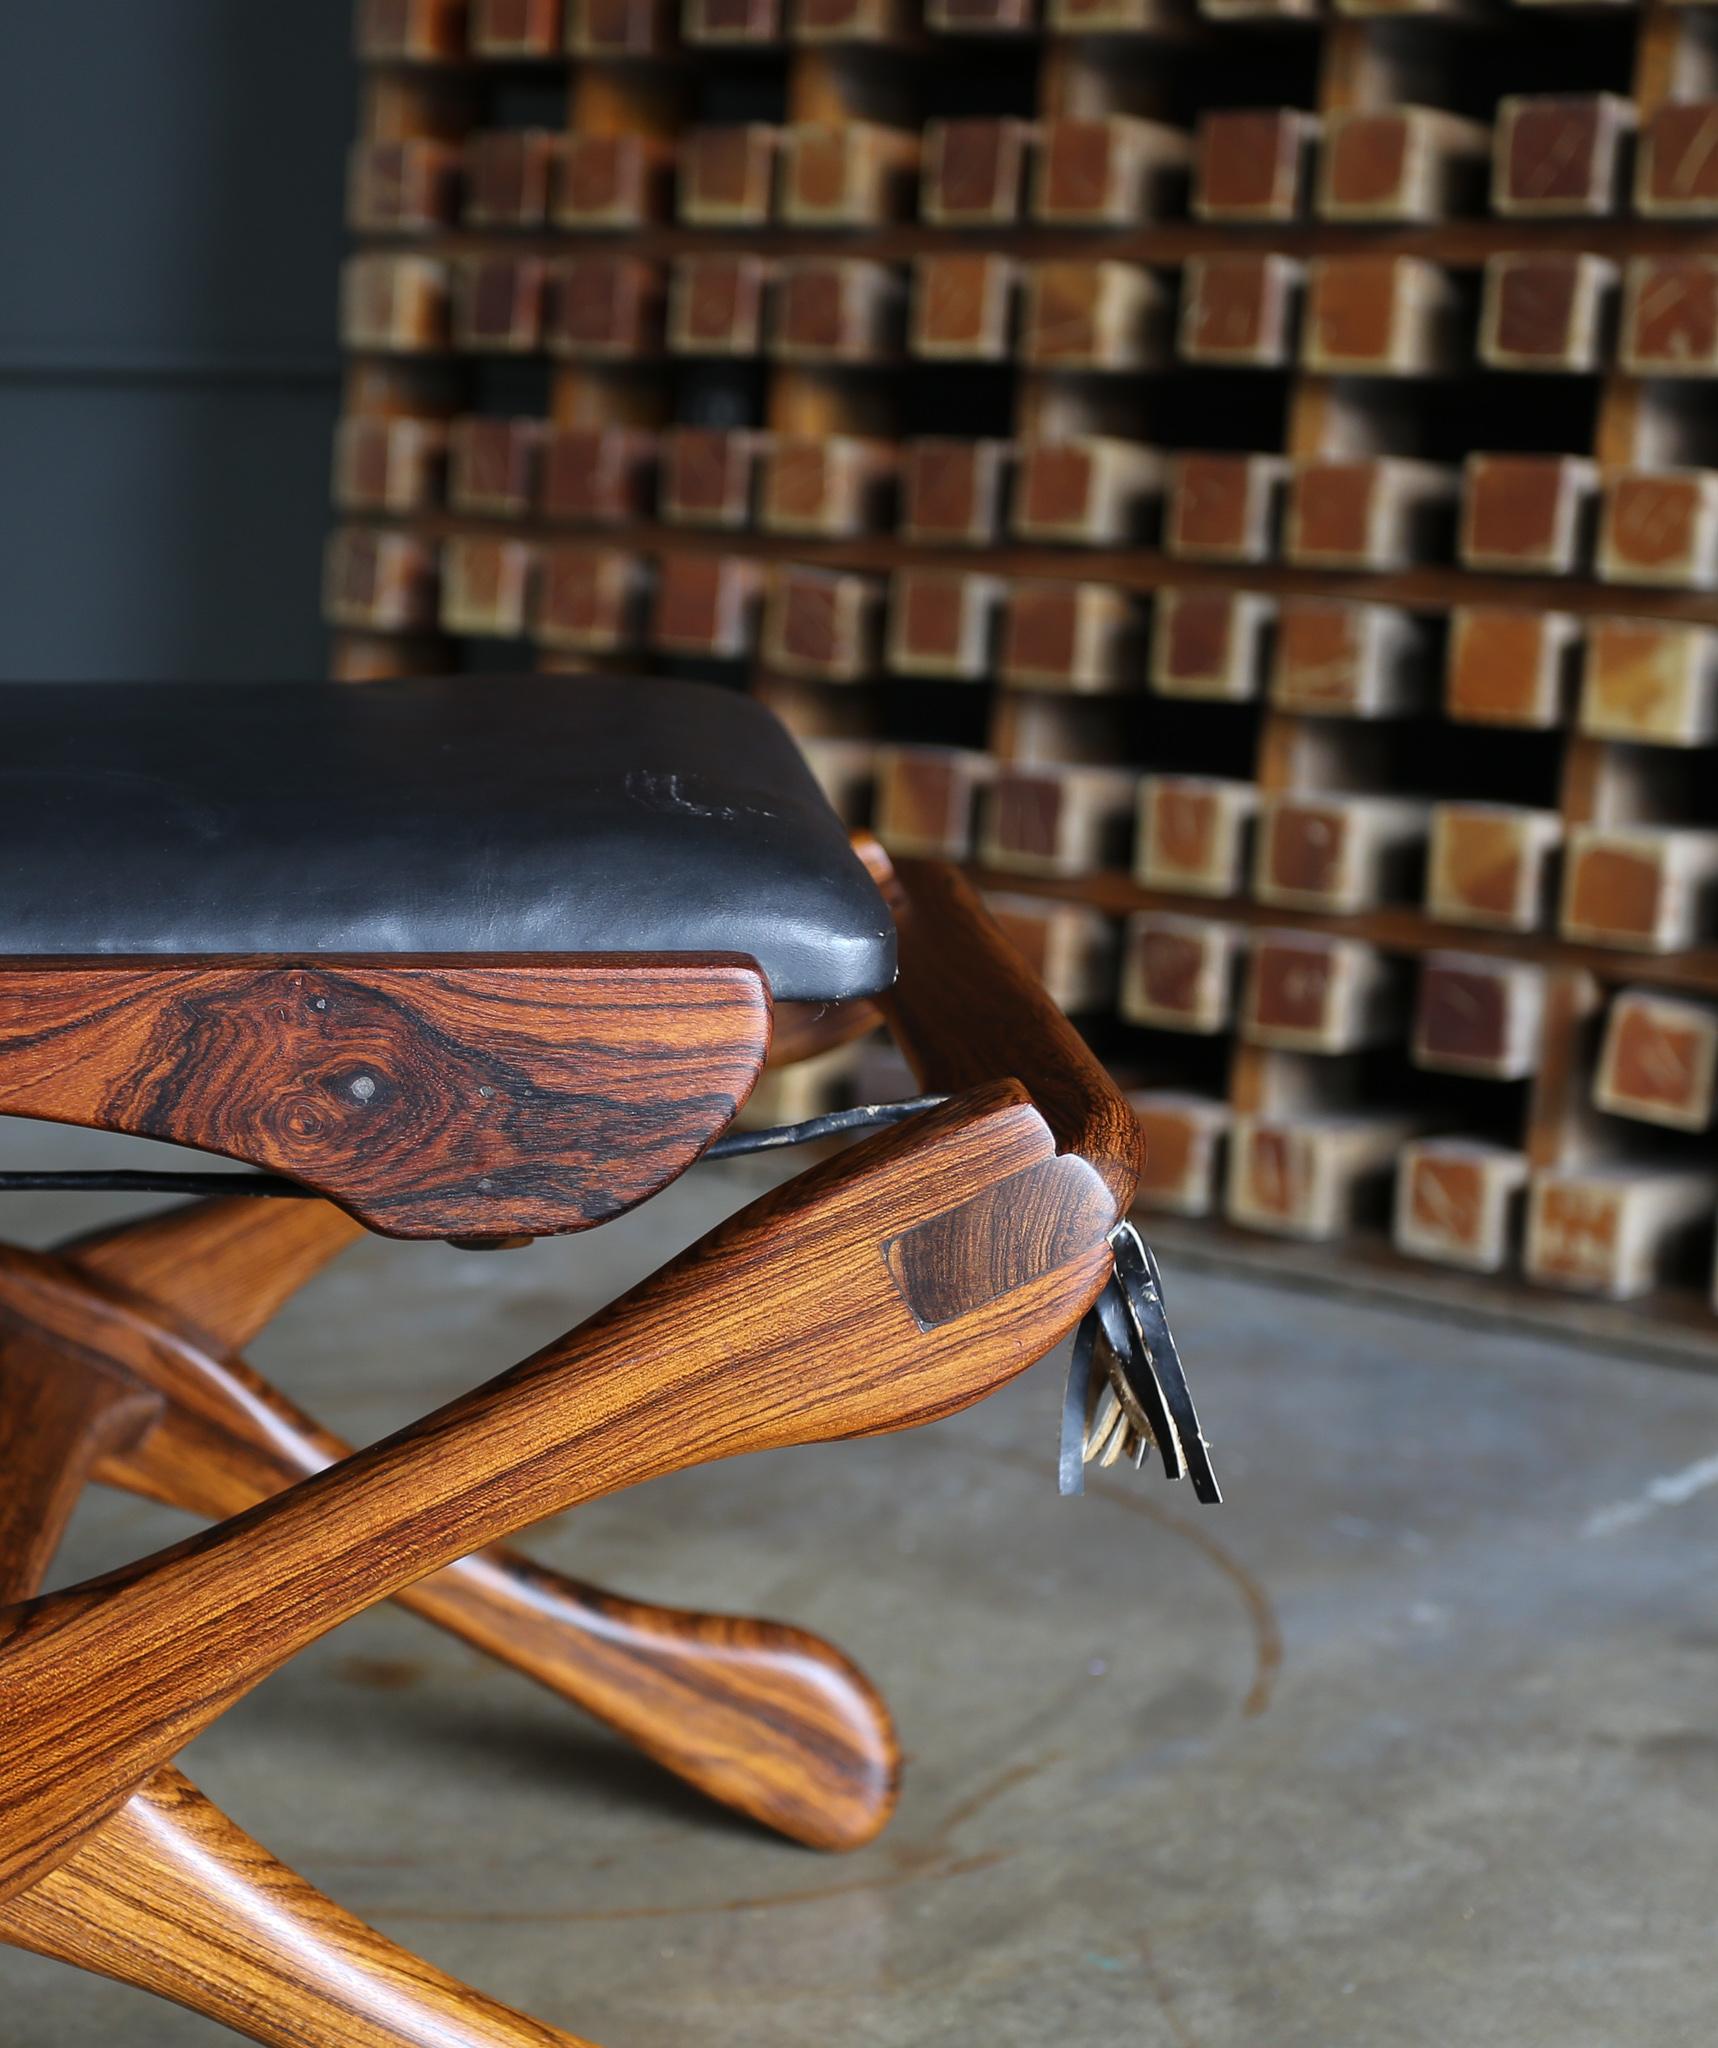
(1415,1741)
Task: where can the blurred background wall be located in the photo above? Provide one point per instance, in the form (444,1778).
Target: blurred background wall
(169,377)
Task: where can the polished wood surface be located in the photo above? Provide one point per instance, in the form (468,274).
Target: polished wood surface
(767,1718)
(430,1100)
(784,1326)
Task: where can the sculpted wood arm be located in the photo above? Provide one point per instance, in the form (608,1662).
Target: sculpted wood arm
(909,1277)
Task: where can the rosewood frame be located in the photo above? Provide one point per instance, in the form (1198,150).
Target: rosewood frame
(902,1279)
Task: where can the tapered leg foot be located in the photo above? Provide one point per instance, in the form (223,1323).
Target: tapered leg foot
(169,1895)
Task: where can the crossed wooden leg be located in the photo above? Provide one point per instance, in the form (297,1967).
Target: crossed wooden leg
(855,1300)
(769,1719)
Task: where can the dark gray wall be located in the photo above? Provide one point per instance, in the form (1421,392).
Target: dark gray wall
(170,235)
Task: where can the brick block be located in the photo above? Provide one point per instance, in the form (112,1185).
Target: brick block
(963,307)
(1490,864)
(710,475)
(1079,637)
(1209,643)
(1380,316)
(1509,667)
(1660,527)
(1345,660)
(1458,1202)
(823,624)
(486,587)
(1676,173)
(706,605)
(1479,1014)
(607,308)
(1644,887)
(827,486)
(1650,681)
(492,466)
(1311,1177)
(839,309)
(975,172)
(716,305)
(1069,946)
(515,28)
(590,600)
(943,624)
(1224,508)
(727,175)
(1382,513)
(1546,309)
(408,187)
(1252,164)
(598,475)
(1670,316)
(1308,993)
(382,582)
(952,492)
(927,800)
(393,304)
(621,181)
(1179,973)
(738,23)
(1337,853)
(1528,514)
(1108,171)
(1193,833)
(411,31)
(620,28)
(1611,1231)
(1659,1061)
(500,304)
(1091,492)
(1094,316)
(1184,1137)
(1056,820)
(847,174)
(1240,310)
(1401,164)
(510,177)
(387,464)
(847,21)
(1561,154)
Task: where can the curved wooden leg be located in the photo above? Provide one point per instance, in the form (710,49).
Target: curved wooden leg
(171,1896)
(768,1719)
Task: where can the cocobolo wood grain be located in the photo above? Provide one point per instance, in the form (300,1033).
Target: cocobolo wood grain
(847,173)
(1093,491)
(943,623)
(837,309)
(1342,660)
(710,475)
(1107,171)
(827,485)
(1478,1013)
(590,600)
(1527,514)
(1080,637)
(1209,643)
(1548,309)
(1611,1230)
(1676,174)
(823,624)
(1057,820)
(1670,316)
(727,175)
(1379,316)
(1252,164)
(486,586)
(1650,681)
(1508,667)
(927,799)
(716,305)
(1094,316)
(1382,512)
(1179,973)
(1309,993)
(963,307)
(1659,1060)
(1224,508)
(1239,310)
(395,304)
(1490,864)
(706,604)
(1193,833)
(598,475)
(1660,527)
(492,465)
(402,187)
(1639,886)
(515,28)
(1458,1202)
(975,172)
(1401,164)
(1184,1137)
(614,181)
(1311,1177)
(385,581)
(1561,154)
(384,464)
(509,176)
(500,303)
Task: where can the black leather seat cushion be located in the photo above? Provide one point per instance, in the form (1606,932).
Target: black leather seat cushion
(517,814)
